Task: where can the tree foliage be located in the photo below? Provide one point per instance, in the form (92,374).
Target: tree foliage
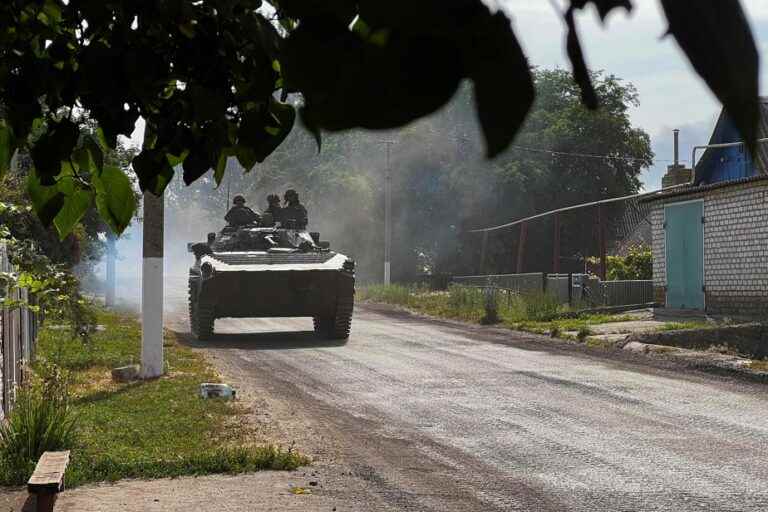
(441,188)
(206,76)
(636,264)
(53,288)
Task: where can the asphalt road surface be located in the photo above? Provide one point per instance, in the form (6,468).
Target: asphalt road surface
(440,416)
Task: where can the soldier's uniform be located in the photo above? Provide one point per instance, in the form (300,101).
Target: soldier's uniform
(295,213)
(241,215)
(274,208)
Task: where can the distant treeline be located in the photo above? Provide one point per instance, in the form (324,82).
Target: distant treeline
(443,186)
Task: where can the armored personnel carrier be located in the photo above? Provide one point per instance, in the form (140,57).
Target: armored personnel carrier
(254,271)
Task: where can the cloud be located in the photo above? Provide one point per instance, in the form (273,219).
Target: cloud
(631,47)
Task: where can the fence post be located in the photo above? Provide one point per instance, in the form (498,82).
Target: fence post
(491,309)
(109,295)
(556,243)
(570,289)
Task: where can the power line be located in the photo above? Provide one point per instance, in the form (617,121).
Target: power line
(587,155)
(561,210)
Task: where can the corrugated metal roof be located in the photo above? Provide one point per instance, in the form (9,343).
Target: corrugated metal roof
(760,162)
(695,189)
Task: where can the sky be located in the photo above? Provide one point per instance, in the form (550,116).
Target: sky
(632,48)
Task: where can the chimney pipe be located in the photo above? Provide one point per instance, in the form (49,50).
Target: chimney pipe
(677,174)
(677,147)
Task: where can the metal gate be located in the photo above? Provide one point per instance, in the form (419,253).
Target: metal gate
(684,227)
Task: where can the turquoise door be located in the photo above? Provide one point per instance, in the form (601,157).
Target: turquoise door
(685,258)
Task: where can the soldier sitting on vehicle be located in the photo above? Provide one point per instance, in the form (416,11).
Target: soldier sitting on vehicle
(274,208)
(294,215)
(241,215)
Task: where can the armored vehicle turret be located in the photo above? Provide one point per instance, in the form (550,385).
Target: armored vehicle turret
(254,271)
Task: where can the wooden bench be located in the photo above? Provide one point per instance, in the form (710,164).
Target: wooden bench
(48,479)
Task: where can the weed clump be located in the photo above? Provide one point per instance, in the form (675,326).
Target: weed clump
(583,333)
(41,421)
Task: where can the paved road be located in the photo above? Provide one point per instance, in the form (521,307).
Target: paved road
(440,416)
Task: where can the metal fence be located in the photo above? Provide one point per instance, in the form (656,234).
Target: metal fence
(585,290)
(518,283)
(18,333)
(624,293)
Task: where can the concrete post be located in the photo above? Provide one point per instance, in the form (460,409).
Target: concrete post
(109,295)
(556,246)
(388,218)
(152,288)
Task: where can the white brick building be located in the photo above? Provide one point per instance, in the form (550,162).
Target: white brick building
(710,246)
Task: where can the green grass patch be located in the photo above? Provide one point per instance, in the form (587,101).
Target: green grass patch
(679,326)
(759,365)
(149,429)
(537,313)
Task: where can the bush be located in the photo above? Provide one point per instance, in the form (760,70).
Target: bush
(637,264)
(41,421)
(583,333)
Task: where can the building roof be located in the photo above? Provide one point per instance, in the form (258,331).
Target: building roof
(691,188)
(724,132)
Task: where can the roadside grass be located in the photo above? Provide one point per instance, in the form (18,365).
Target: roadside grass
(149,429)
(679,326)
(537,313)
(759,365)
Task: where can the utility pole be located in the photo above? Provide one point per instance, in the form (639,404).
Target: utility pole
(152,288)
(388,218)
(229,182)
(109,296)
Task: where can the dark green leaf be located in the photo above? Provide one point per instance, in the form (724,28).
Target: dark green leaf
(74,208)
(115,200)
(197,163)
(263,131)
(47,201)
(348,83)
(246,157)
(603,6)
(426,17)
(175,160)
(52,148)
(503,99)
(153,170)
(341,10)
(82,158)
(717,39)
(208,104)
(221,168)
(97,155)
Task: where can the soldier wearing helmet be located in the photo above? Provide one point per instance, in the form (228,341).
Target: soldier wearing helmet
(293,213)
(241,215)
(273,208)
